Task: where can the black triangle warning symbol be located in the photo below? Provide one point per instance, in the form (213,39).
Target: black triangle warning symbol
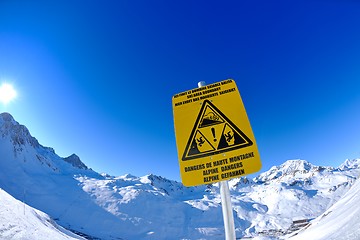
(213,133)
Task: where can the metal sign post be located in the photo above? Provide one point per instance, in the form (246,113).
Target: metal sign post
(227,211)
(225,203)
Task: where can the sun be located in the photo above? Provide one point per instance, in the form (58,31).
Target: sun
(7,93)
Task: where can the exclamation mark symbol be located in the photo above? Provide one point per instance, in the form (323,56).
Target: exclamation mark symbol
(213,133)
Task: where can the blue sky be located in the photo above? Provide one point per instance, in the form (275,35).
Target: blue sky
(96,78)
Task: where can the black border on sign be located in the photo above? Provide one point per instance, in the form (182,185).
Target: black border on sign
(188,145)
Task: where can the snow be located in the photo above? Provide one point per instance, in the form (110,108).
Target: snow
(339,222)
(152,207)
(19,221)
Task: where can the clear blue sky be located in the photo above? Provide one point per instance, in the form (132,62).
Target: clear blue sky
(96,78)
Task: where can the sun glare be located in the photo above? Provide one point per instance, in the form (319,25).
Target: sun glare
(7,93)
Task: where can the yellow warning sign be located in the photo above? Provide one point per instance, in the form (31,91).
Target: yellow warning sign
(213,133)
(214,138)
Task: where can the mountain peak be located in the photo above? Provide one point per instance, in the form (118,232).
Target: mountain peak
(74,160)
(290,167)
(18,133)
(350,163)
(7,117)
(296,165)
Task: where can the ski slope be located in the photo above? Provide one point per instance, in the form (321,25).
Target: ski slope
(19,221)
(339,222)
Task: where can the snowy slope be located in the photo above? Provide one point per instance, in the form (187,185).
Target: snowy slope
(19,221)
(295,190)
(339,222)
(49,185)
(266,205)
(152,207)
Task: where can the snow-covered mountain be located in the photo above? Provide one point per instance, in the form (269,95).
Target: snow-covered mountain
(19,221)
(100,206)
(340,221)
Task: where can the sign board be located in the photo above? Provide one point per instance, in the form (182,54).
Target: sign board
(214,138)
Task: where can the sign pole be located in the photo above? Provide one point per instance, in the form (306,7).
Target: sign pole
(227,211)
(225,203)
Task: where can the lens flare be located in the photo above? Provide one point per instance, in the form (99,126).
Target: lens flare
(7,93)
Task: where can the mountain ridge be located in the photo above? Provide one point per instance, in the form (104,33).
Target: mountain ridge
(20,137)
(152,207)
